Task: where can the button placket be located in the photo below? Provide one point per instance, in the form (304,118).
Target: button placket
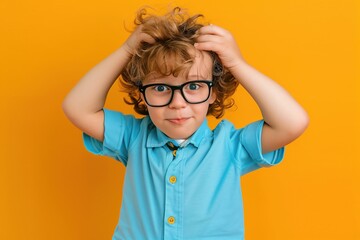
(173,196)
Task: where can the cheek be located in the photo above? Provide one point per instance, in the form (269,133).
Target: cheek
(200,110)
(155,114)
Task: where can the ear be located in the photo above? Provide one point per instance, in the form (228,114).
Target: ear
(212,97)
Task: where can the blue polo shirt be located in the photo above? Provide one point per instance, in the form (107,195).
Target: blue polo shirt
(193,194)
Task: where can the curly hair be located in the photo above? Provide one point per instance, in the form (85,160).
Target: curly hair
(175,34)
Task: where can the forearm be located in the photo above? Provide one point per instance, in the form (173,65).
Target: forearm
(89,95)
(280,110)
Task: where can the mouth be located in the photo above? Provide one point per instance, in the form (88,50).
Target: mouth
(178,121)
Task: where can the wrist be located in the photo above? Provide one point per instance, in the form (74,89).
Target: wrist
(238,65)
(242,70)
(126,51)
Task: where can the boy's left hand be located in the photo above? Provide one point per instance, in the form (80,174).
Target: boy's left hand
(285,119)
(216,39)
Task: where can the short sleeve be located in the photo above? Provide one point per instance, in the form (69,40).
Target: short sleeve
(249,154)
(119,131)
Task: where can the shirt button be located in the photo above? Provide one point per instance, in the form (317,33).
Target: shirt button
(171,220)
(172,179)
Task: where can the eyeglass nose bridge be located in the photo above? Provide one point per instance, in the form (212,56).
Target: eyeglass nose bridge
(179,87)
(173,89)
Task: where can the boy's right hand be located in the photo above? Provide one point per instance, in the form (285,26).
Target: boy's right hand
(84,104)
(134,40)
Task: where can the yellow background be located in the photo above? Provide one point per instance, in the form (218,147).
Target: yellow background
(51,188)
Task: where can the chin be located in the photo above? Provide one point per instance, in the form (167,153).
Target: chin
(179,135)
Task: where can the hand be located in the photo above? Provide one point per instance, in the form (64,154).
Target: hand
(134,40)
(220,41)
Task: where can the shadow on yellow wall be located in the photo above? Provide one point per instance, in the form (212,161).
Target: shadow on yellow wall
(51,188)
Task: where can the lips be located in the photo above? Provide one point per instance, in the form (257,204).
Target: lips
(178,121)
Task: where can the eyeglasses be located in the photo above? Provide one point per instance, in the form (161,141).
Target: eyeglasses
(160,94)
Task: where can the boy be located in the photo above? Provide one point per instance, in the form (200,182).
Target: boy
(182,179)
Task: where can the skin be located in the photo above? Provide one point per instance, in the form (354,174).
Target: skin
(179,119)
(285,119)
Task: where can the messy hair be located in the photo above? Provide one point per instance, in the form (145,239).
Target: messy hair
(175,34)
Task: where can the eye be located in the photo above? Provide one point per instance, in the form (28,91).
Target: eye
(161,88)
(193,86)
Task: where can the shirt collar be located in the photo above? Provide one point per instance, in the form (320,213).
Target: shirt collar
(157,138)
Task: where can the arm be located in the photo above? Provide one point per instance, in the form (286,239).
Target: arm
(83,105)
(285,119)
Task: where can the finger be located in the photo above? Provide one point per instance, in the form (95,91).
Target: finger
(210,38)
(207,46)
(142,35)
(212,29)
(146,38)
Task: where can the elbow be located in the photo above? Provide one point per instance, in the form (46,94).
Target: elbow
(69,108)
(304,121)
(71,112)
(66,106)
(299,125)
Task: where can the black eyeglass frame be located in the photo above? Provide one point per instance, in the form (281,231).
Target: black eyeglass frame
(142,89)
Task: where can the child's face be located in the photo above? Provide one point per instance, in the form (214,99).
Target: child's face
(180,119)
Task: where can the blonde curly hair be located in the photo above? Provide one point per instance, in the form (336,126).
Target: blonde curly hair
(175,34)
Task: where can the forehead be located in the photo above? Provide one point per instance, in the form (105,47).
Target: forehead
(200,68)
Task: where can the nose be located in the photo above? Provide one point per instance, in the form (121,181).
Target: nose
(177,101)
